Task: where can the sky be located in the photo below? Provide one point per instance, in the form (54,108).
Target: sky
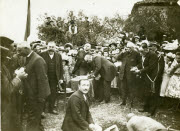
(13,13)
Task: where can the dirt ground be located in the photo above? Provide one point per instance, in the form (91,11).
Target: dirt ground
(112,113)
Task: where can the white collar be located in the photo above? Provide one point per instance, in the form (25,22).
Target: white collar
(52,53)
(51,56)
(30,54)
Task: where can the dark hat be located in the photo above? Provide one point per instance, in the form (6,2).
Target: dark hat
(144,45)
(105,49)
(113,44)
(155,44)
(136,36)
(178,53)
(68,45)
(80,47)
(5,42)
(35,45)
(92,50)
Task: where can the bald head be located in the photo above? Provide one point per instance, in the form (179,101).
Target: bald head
(129,116)
(23,48)
(24,44)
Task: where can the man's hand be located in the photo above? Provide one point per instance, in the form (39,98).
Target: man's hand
(60,81)
(21,74)
(98,77)
(95,127)
(137,71)
(91,76)
(92,127)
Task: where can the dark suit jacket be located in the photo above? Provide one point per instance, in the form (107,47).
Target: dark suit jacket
(36,83)
(59,66)
(161,66)
(77,116)
(150,65)
(104,67)
(81,67)
(128,61)
(10,108)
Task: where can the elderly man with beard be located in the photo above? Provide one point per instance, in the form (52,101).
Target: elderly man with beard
(55,73)
(128,86)
(36,86)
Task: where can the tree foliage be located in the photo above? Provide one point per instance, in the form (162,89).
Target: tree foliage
(156,20)
(88,28)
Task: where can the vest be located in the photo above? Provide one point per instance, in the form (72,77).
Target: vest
(52,69)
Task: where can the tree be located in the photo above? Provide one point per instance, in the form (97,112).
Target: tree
(156,20)
(88,28)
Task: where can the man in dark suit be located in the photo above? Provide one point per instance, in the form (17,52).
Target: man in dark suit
(78,116)
(155,47)
(55,72)
(128,86)
(106,70)
(36,86)
(149,70)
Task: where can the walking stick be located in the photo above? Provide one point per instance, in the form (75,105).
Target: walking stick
(63,92)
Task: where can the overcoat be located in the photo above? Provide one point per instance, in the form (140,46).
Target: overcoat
(36,83)
(129,60)
(10,112)
(150,65)
(104,67)
(149,71)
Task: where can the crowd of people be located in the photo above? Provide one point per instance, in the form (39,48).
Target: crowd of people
(33,73)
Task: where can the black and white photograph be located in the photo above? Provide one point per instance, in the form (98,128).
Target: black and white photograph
(90,65)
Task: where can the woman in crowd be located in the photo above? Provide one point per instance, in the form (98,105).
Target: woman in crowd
(173,88)
(168,61)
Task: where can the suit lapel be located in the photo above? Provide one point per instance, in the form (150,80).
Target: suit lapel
(29,62)
(82,98)
(57,62)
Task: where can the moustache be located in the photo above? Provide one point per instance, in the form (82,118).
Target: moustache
(51,50)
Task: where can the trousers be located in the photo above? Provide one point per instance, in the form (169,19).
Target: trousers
(104,90)
(127,89)
(34,110)
(53,95)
